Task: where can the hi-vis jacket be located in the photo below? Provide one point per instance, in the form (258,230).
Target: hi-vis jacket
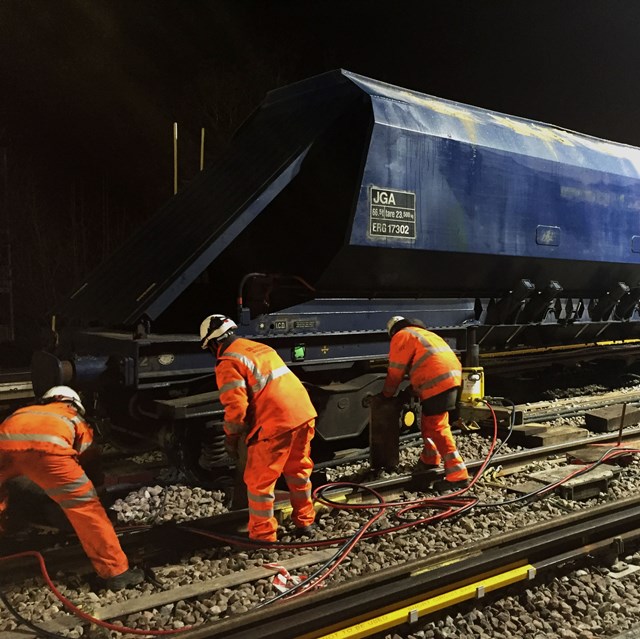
(259,392)
(426,358)
(54,428)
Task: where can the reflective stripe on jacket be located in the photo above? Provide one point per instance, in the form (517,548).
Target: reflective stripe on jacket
(54,428)
(426,358)
(258,390)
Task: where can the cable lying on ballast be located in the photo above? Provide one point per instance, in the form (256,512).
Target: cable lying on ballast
(443,507)
(454,501)
(610,454)
(446,506)
(75,610)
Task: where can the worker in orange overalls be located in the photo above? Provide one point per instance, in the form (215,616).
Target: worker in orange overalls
(48,442)
(267,405)
(435,374)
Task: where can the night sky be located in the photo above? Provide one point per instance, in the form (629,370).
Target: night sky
(91,89)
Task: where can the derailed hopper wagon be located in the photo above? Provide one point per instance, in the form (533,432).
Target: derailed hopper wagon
(340,202)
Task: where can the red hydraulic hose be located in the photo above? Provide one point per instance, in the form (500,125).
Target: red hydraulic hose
(79,613)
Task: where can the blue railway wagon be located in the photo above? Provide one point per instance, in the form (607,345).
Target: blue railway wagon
(342,201)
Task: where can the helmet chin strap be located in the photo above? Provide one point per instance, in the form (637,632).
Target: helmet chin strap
(72,402)
(223,343)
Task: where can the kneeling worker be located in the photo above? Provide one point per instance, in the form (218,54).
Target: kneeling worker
(435,375)
(267,405)
(47,442)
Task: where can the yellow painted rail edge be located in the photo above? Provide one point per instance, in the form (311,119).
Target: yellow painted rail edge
(410,614)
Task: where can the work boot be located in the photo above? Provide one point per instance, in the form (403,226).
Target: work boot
(308,531)
(126,579)
(421,467)
(444,486)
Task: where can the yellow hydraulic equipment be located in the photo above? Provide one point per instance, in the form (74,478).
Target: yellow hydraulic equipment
(472,385)
(470,403)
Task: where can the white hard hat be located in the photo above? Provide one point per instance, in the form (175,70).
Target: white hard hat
(215,327)
(392,322)
(65,394)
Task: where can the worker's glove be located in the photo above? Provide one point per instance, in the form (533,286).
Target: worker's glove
(369,399)
(231,445)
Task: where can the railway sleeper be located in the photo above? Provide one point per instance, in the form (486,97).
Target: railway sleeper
(585,486)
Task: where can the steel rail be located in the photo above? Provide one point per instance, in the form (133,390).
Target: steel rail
(150,538)
(488,563)
(547,410)
(361,601)
(147,543)
(140,544)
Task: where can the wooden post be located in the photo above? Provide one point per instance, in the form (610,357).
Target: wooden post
(202,148)
(175,158)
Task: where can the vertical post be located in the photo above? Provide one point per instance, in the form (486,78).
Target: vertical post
(175,158)
(472,354)
(202,148)
(384,432)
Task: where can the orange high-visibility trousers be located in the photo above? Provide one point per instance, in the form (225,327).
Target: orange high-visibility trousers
(436,429)
(285,454)
(429,454)
(64,481)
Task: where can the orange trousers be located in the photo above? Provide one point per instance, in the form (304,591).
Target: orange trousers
(285,454)
(64,481)
(439,444)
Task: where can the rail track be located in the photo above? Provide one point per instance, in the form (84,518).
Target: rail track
(159,546)
(409,591)
(406,592)
(158,540)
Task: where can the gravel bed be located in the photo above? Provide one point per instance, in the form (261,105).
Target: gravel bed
(158,504)
(587,597)
(583,604)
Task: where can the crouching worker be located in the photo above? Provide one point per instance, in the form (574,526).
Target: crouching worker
(267,405)
(47,442)
(435,375)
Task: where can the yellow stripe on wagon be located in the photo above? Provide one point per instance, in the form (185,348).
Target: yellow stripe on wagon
(410,614)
